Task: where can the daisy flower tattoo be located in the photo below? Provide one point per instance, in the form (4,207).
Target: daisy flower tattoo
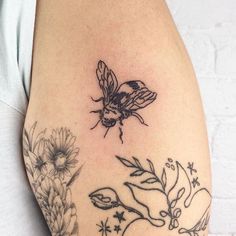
(61,152)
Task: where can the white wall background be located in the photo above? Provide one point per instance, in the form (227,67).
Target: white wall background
(208,28)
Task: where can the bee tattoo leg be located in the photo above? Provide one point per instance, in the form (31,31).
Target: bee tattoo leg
(95,125)
(106,132)
(140,118)
(96,111)
(121,135)
(121,131)
(97,100)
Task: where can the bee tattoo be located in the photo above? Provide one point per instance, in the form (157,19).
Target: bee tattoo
(120,102)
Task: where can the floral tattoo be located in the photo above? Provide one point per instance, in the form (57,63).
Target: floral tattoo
(175,199)
(50,164)
(120,102)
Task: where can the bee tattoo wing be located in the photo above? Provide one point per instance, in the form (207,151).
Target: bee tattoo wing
(140,96)
(107,81)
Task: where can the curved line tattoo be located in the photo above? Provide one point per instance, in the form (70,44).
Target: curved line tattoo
(177,196)
(161,221)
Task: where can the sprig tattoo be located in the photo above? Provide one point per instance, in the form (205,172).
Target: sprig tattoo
(50,164)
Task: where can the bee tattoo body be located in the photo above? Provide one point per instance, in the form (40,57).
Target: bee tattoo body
(120,102)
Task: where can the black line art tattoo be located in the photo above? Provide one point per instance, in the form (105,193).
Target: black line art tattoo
(120,216)
(49,165)
(120,102)
(169,164)
(191,168)
(176,195)
(117,229)
(104,228)
(195,182)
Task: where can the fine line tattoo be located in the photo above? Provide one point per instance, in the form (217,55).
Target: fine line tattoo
(178,197)
(50,164)
(120,102)
(104,228)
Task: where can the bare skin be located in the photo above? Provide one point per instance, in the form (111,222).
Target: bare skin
(138,41)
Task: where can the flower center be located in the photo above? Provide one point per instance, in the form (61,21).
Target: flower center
(39,163)
(60,160)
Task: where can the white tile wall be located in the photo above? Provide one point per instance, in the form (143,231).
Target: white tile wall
(208,28)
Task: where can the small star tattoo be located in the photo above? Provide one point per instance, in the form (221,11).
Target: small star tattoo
(104,228)
(120,216)
(191,168)
(195,182)
(117,228)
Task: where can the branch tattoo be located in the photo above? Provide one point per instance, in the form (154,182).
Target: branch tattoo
(176,198)
(120,102)
(49,165)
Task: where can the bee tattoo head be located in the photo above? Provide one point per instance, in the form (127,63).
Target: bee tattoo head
(120,102)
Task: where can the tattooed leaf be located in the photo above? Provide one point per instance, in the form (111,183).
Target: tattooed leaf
(151,180)
(152,168)
(26,143)
(28,169)
(38,139)
(125,162)
(31,132)
(180,193)
(175,223)
(74,177)
(182,186)
(173,203)
(164,213)
(199,226)
(137,173)
(137,163)
(164,178)
(32,157)
(29,135)
(54,198)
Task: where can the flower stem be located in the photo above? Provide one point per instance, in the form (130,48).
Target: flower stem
(131,209)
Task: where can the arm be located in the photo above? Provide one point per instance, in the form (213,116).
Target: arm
(143,169)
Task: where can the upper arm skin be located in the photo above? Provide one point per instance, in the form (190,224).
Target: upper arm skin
(138,41)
